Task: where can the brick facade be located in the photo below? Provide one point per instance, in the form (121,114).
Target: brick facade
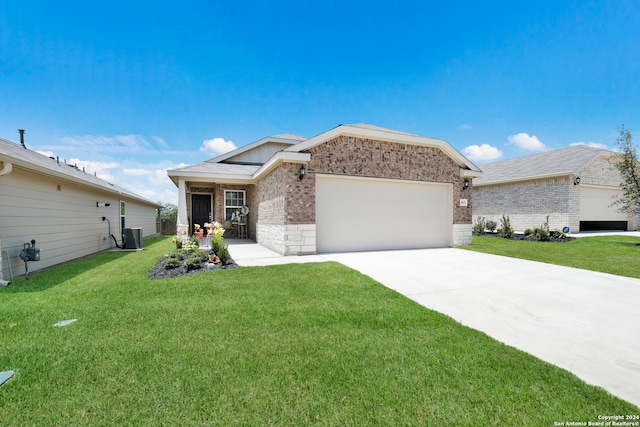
(527,203)
(286,205)
(346,155)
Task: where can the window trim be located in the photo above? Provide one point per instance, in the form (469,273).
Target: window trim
(244,202)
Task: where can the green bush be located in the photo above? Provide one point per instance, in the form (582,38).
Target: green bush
(542,234)
(193,263)
(179,255)
(528,232)
(199,255)
(479,226)
(223,254)
(505,229)
(216,243)
(171,263)
(557,234)
(491,226)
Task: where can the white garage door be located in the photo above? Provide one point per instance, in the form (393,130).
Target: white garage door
(595,204)
(355,214)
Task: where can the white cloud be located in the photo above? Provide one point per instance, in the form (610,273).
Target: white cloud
(136,171)
(46,153)
(466,126)
(590,144)
(482,153)
(102,170)
(218,146)
(526,142)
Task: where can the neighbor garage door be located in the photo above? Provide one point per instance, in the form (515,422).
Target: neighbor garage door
(356,214)
(596,212)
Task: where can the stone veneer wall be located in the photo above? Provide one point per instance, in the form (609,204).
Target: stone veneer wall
(286,206)
(527,203)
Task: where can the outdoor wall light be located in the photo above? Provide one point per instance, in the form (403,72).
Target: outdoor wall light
(576,180)
(303,171)
(465,185)
(102,204)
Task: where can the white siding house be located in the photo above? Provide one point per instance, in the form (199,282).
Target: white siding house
(56,204)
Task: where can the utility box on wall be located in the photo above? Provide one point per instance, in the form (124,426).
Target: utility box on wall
(132,238)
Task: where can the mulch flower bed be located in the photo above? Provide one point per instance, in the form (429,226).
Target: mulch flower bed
(518,236)
(159,272)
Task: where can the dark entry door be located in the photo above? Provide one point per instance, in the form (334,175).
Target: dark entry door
(200,209)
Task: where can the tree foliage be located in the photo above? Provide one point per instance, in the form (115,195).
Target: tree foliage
(169,211)
(626,161)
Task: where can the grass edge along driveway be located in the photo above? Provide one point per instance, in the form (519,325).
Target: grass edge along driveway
(300,344)
(607,254)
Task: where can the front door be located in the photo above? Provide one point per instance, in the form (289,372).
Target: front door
(200,209)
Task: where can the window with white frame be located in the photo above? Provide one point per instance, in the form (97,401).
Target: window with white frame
(233,199)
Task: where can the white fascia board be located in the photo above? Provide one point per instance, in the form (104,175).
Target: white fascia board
(208,177)
(382,135)
(522,179)
(279,157)
(467,173)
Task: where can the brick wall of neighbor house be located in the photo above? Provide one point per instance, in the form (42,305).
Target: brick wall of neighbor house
(601,172)
(527,203)
(346,155)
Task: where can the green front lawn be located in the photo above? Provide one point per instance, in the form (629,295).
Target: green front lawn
(608,254)
(300,344)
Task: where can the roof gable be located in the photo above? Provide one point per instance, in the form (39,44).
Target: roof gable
(365,130)
(258,152)
(561,162)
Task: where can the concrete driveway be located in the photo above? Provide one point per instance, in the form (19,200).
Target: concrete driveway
(585,322)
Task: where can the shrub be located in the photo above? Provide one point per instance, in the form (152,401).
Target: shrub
(557,234)
(216,243)
(528,232)
(223,254)
(171,263)
(479,226)
(179,255)
(200,255)
(192,263)
(505,229)
(542,234)
(491,226)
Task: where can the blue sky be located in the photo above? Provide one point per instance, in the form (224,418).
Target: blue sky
(131,88)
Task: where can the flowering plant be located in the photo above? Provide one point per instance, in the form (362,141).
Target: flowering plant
(197,227)
(214,228)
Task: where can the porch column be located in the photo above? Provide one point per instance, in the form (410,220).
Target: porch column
(183,222)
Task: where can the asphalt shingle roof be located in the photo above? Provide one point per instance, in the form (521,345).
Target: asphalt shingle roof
(32,159)
(565,161)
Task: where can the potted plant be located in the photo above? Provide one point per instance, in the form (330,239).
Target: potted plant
(199,232)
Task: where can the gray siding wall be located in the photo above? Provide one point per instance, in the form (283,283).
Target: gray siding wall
(63,218)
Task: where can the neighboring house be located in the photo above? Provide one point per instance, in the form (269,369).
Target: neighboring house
(354,187)
(574,186)
(56,204)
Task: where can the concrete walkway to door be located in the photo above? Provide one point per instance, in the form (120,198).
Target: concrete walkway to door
(583,321)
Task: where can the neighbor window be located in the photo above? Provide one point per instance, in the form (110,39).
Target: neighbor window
(233,199)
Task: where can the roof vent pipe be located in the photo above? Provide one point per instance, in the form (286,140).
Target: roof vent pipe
(22,138)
